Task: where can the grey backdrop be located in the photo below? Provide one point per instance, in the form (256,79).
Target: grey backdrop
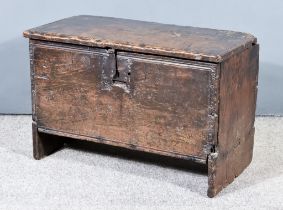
(264,19)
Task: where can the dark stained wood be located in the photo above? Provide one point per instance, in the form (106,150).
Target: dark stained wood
(43,144)
(145,37)
(238,91)
(165,105)
(172,90)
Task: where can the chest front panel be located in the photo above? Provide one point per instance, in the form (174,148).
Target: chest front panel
(157,103)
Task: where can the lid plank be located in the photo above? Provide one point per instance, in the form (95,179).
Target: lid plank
(145,37)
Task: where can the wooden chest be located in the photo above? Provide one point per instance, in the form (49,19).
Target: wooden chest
(177,91)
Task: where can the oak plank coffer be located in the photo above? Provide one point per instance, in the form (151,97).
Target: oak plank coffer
(178,91)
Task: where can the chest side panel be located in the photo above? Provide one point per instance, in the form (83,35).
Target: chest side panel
(234,150)
(161,104)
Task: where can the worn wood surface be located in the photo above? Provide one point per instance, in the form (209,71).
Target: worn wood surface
(145,37)
(164,105)
(238,91)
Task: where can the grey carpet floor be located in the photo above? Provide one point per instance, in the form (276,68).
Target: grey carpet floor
(76,179)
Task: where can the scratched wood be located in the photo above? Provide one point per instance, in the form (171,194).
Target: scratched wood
(145,37)
(165,105)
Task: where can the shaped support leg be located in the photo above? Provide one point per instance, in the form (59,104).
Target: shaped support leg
(224,167)
(44,144)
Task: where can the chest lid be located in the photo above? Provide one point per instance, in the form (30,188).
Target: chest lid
(145,37)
